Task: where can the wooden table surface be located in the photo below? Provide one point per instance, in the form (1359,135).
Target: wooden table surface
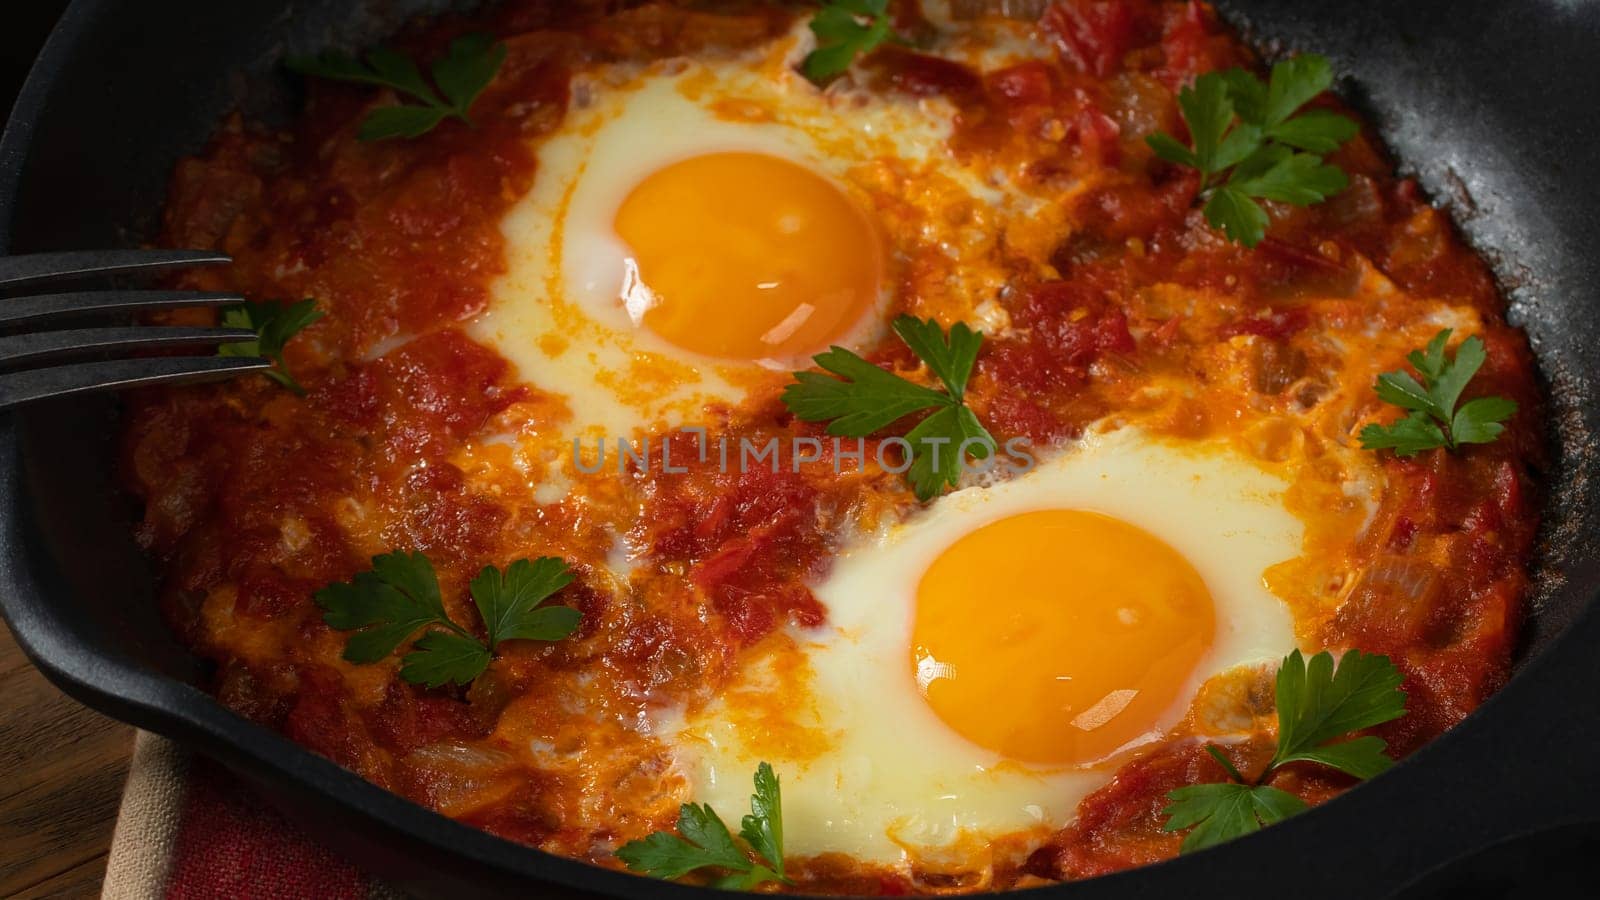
(61,774)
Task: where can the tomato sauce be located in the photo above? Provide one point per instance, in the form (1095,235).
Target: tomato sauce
(255,498)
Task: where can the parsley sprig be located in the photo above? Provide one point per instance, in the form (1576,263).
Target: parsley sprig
(703,841)
(864,399)
(846,29)
(1317,705)
(399,596)
(1434,419)
(459,76)
(1248,143)
(274,323)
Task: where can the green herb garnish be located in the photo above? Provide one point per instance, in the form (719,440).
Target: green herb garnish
(1248,143)
(865,398)
(846,29)
(703,841)
(400,596)
(1317,705)
(1434,419)
(274,323)
(459,77)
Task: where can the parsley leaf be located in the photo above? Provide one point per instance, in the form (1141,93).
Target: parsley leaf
(1249,145)
(706,842)
(1300,179)
(1223,811)
(384,605)
(864,398)
(1406,437)
(1208,110)
(438,657)
(935,449)
(399,596)
(1317,705)
(762,829)
(399,122)
(1316,131)
(467,67)
(846,29)
(459,76)
(1292,84)
(508,601)
(1434,420)
(867,399)
(951,359)
(703,841)
(1479,421)
(274,323)
(1232,212)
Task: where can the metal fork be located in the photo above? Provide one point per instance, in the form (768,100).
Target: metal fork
(19,350)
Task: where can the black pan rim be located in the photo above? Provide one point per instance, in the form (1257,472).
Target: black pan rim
(1357,823)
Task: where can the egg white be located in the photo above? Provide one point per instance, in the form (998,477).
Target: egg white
(893,783)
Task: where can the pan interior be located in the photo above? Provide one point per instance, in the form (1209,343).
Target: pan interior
(1477,98)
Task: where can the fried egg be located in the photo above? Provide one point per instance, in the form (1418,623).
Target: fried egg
(697,227)
(988,663)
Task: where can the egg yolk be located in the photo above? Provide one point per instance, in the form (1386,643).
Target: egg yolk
(746,256)
(1058,636)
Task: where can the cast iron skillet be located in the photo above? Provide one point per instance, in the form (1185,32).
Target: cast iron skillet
(1496,106)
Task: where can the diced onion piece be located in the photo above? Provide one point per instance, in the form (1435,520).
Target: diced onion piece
(1394,597)
(1025,10)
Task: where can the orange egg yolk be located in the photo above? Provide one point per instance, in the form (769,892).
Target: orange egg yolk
(1058,636)
(746,256)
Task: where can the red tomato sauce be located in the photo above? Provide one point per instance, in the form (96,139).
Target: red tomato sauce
(255,498)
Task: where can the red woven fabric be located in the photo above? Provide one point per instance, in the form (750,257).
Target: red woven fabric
(229,845)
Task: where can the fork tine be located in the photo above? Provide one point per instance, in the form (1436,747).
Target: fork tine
(14,310)
(36,267)
(30,348)
(61,381)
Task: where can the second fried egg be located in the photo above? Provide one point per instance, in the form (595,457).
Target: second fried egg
(988,664)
